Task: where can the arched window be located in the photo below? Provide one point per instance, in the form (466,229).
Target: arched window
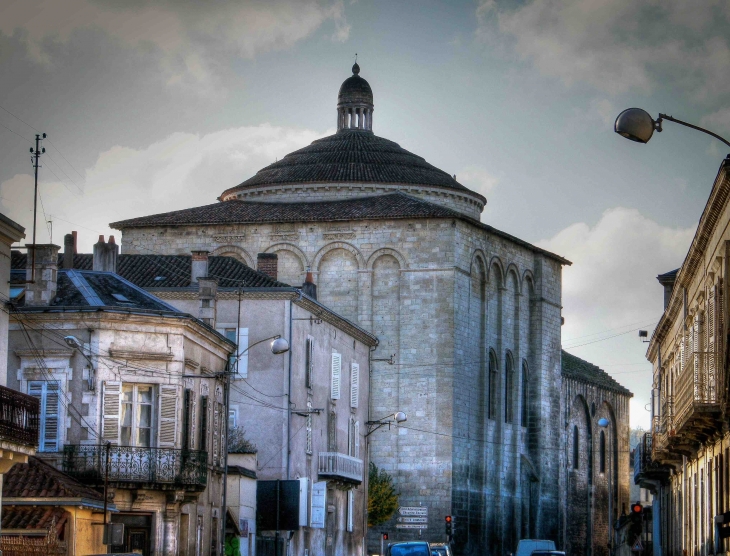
(492,384)
(509,385)
(602,452)
(575,447)
(525,394)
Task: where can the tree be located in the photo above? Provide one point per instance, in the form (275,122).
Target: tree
(238,443)
(382,497)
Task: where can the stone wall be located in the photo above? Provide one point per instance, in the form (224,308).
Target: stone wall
(438,293)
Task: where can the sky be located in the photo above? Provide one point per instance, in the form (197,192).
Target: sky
(151,106)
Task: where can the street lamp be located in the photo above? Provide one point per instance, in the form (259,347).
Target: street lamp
(604,424)
(637,125)
(393,418)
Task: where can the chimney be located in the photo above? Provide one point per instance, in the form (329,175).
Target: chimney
(268,263)
(68,251)
(667,280)
(43,289)
(309,287)
(76,240)
(105,255)
(207,289)
(199,268)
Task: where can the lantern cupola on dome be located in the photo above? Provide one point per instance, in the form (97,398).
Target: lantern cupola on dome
(355,103)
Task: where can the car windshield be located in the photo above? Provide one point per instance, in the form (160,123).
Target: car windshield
(410,550)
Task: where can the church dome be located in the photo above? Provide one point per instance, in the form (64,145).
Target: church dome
(355,89)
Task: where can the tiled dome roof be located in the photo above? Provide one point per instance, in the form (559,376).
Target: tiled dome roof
(355,89)
(352,156)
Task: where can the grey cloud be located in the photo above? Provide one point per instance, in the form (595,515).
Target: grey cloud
(620,46)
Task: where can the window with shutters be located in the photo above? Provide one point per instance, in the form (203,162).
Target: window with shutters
(136,415)
(354,384)
(48,393)
(309,363)
(336,380)
(217,409)
(168,419)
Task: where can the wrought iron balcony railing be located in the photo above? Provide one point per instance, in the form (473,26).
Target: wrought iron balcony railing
(646,467)
(131,466)
(698,387)
(19,417)
(340,466)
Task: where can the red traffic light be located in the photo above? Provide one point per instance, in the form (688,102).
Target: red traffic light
(636,508)
(448,519)
(385,536)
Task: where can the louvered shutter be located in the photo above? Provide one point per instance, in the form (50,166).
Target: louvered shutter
(681,354)
(47,393)
(336,375)
(711,330)
(111,401)
(354,384)
(350,510)
(243,354)
(167,431)
(203,444)
(193,416)
(188,395)
(719,318)
(216,431)
(309,364)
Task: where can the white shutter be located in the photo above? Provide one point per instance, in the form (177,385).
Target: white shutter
(51,418)
(111,401)
(193,419)
(336,375)
(167,431)
(354,384)
(243,357)
(350,509)
(319,505)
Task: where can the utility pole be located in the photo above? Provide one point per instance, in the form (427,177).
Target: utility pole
(35,157)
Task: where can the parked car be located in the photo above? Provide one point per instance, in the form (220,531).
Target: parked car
(441,549)
(548,553)
(527,547)
(411,548)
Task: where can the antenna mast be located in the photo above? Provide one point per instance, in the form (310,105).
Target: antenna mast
(35,156)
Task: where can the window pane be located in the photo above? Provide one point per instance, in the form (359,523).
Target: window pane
(231,334)
(144,394)
(126,414)
(145,416)
(144,437)
(126,436)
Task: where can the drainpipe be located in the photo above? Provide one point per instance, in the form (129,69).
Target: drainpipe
(288,399)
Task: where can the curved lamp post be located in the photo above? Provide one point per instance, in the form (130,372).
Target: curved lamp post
(638,125)
(393,418)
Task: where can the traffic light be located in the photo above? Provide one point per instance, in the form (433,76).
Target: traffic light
(637,517)
(385,536)
(636,512)
(449,525)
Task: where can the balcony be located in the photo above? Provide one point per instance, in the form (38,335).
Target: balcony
(19,417)
(133,467)
(340,467)
(647,471)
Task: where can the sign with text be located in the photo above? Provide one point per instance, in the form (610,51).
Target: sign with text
(412,520)
(413,510)
(411,526)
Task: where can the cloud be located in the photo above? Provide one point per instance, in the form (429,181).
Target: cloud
(194,35)
(179,171)
(477,179)
(619,46)
(718,121)
(611,289)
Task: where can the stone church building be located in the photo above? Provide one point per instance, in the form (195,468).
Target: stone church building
(468,319)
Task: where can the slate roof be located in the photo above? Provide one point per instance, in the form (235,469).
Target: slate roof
(352,156)
(391,206)
(668,277)
(579,369)
(38,479)
(168,271)
(34,517)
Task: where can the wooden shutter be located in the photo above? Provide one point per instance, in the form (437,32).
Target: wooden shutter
(319,505)
(111,402)
(186,419)
(354,384)
(242,357)
(309,362)
(711,330)
(167,430)
(336,375)
(203,444)
(216,431)
(193,416)
(47,393)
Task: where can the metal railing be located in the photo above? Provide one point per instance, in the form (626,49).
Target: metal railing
(19,417)
(642,455)
(131,464)
(665,423)
(698,384)
(334,464)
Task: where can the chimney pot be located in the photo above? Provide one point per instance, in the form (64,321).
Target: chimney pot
(309,287)
(68,251)
(105,256)
(76,241)
(111,240)
(268,263)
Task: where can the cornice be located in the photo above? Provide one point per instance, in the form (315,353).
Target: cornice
(141,355)
(53,352)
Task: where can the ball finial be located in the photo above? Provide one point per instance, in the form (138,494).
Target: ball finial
(355,69)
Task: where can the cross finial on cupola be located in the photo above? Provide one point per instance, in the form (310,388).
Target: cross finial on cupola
(355,103)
